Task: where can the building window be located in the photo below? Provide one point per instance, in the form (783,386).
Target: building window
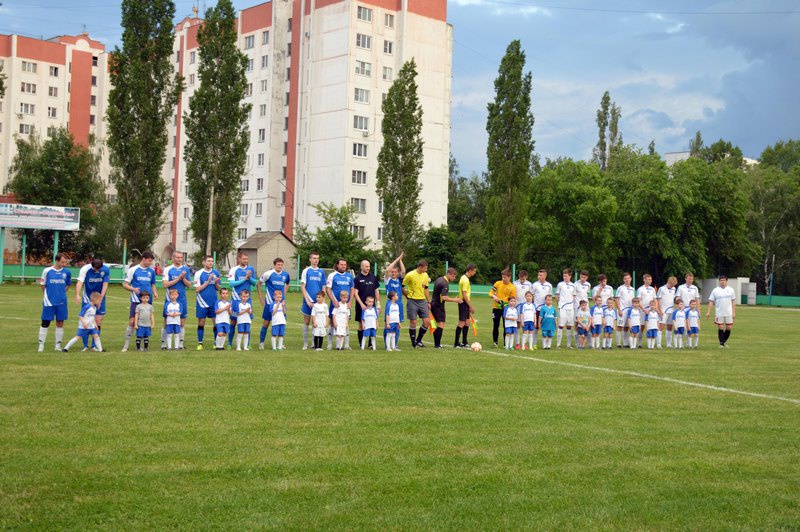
(359,177)
(91,120)
(383,97)
(288,73)
(262,135)
(289,50)
(284,174)
(388,20)
(25,129)
(380,206)
(173,163)
(54,71)
(361,123)
(265,37)
(27,108)
(286,123)
(249,42)
(94,81)
(27,66)
(285,148)
(363,68)
(264,85)
(28,88)
(283,197)
(249,90)
(242,233)
(283,222)
(52,91)
(259,209)
(185,236)
(387,74)
(262,109)
(359,204)
(359,150)
(364,13)
(192,57)
(52,113)
(244,185)
(388,47)
(93,100)
(244,209)
(287,98)
(260,184)
(357,230)
(363,41)
(249,65)
(362,96)
(191,79)
(260,159)
(94,60)
(264,61)
(380,233)
(289,26)
(51,131)
(186,213)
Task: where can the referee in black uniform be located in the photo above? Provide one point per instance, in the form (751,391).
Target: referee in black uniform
(441,289)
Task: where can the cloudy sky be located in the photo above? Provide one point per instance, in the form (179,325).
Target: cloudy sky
(728,68)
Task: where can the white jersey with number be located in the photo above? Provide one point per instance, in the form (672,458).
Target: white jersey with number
(666,298)
(625,295)
(565,291)
(723,299)
(522,287)
(652,320)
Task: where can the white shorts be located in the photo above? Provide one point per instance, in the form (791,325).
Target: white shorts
(566,317)
(319,331)
(727,320)
(666,318)
(341,330)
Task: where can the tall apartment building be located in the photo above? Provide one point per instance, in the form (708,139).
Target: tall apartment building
(60,82)
(318,71)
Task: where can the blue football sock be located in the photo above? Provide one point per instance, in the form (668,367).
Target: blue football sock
(263,334)
(200,333)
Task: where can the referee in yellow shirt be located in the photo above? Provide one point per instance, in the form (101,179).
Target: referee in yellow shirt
(500,292)
(465,309)
(415,288)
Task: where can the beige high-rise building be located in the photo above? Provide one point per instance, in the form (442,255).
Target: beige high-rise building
(318,71)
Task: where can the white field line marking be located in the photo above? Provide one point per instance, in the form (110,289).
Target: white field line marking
(648,376)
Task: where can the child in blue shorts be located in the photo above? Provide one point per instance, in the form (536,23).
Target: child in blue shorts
(278,320)
(652,328)
(86,324)
(528,315)
(144,321)
(583,319)
(243,320)
(173,310)
(369,324)
(609,323)
(678,323)
(547,322)
(510,320)
(597,321)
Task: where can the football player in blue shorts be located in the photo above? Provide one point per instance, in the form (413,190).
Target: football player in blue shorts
(177,276)
(55,282)
(206,284)
(274,279)
(93,279)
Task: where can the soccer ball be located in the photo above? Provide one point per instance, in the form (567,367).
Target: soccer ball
(476,346)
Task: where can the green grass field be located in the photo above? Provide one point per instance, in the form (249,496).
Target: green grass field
(409,440)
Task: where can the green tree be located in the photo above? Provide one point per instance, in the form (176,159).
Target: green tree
(334,238)
(773,224)
(651,148)
(466,200)
(784,155)
(438,246)
(2,82)
(696,145)
(142,101)
(61,172)
(216,132)
(608,144)
(509,156)
(400,162)
(572,218)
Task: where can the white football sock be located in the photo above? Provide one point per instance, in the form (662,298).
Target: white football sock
(59,335)
(42,335)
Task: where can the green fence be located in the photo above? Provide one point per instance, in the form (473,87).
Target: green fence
(779,301)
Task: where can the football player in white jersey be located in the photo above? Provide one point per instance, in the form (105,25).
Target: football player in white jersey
(602,289)
(565,302)
(625,294)
(666,300)
(540,290)
(647,300)
(723,301)
(688,291)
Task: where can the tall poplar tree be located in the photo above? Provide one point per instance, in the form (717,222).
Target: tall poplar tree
(2,82)
(400,162)
(142,101)
(509,153)
(610,142)
(217,137)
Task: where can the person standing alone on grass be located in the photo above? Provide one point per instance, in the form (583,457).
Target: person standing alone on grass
(366,285)
(274,280)
(465,308)
(723,301)
(312,282)
(206,284)
(441,291)
(177,276)
(140,278)
(415,288)
(500,293)
(93,279)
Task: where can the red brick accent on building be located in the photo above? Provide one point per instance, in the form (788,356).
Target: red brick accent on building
(48,52)
(256,17)
(80,96)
